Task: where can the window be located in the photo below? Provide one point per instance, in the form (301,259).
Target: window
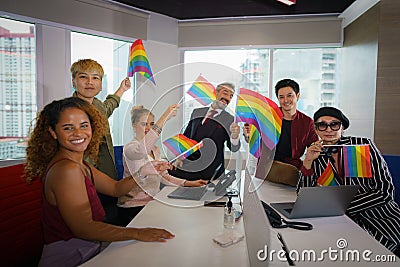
(245,68)
(18,101)
(113,56)
(313,68)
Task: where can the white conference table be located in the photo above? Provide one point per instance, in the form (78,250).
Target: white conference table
(195,226)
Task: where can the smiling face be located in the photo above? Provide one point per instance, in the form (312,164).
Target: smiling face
(73,130)
(224,96)
(329,136)
(87,84)
(143,125)
(288,99)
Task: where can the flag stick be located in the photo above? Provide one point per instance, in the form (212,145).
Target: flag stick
(347,145)
(183,153)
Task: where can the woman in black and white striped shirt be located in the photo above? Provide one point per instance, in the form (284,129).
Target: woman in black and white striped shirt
(373,208)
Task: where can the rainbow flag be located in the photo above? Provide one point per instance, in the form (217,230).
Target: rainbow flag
(263,113)
(182,146)
(254,141)
(327,178)
(203,91)
(138,61)
(357,161)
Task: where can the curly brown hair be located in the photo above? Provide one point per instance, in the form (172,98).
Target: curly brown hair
(42,146)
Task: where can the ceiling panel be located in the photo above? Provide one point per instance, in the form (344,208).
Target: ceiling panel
(202,9)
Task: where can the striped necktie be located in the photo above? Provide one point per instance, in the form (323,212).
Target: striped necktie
(210,115)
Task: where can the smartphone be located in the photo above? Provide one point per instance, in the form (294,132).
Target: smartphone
(214,204)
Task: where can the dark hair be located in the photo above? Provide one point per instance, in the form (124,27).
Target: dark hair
(285,83)
(42,146)
(225,84)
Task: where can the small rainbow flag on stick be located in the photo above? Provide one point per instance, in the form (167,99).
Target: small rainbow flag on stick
(263,113)
(254,141)
(138,61)
(182,146)
(357,161)
(327,178)
(203,91)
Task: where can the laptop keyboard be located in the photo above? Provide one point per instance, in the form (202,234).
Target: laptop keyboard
(191,192)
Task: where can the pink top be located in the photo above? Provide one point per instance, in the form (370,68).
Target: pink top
(135,155)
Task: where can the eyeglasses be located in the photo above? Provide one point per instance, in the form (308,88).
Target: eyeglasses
(322,126)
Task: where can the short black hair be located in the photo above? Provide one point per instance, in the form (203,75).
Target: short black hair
(285,83)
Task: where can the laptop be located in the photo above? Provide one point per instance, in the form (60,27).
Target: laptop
(196,193)
(320,201)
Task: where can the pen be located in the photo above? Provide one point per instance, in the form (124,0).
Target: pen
(284,247)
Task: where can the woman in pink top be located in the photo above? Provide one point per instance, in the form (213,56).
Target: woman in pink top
(140,151)
(72,215)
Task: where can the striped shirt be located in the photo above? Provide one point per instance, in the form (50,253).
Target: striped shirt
(373,208)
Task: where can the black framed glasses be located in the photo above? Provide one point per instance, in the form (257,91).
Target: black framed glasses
(322,126)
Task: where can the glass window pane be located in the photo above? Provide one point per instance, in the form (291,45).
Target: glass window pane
(113,56)
(314,69)
(245,68)
(18,101)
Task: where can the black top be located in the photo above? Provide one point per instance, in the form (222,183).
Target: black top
(284,146)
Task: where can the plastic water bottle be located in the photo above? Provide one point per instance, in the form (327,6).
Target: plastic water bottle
(229,215)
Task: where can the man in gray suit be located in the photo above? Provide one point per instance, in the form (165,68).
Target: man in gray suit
(214,126)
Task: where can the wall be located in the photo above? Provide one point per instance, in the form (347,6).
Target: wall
(387,126)
(371,65)
(96,15)
(358,72)
(53,55)
(326,30)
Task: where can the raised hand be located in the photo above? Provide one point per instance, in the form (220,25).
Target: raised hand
(170,112)
(246,129)
(235,130)
(125,84)
(155,167)
(123,87)
(313,151)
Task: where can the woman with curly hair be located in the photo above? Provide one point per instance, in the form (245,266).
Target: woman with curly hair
(72,213)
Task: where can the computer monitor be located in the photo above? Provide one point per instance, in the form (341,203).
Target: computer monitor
(256,224)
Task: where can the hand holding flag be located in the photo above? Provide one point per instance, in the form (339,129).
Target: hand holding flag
(182,146)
